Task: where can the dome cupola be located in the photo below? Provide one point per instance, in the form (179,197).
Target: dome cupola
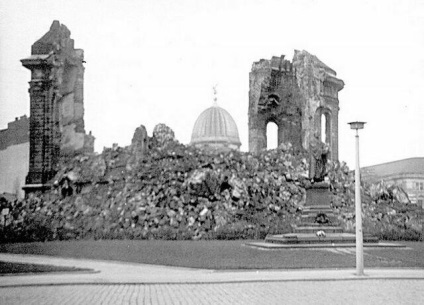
(215,129)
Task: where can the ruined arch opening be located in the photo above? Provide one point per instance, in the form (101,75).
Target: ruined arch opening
(326,127)
(322,131)
(323,125)
(271,135)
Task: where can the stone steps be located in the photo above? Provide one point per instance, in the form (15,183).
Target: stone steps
(314,229)
(311,218)
(313,224)
(311,238)
(316,211)
(276,246)
(309,214)
(317,207)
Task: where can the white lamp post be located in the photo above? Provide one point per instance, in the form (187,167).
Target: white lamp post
(358,205)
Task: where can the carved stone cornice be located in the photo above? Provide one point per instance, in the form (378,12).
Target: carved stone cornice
(334,82)
(37,60)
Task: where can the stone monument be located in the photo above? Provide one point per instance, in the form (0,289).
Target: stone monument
(318,152)
(318,223)
(317,206)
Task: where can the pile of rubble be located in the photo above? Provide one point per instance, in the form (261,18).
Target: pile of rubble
(159,188)
(387,211)
(389,214)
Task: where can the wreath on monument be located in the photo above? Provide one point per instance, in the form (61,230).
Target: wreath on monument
(320,233)
(322,218)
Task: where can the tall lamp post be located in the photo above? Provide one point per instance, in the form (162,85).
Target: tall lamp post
(358,205)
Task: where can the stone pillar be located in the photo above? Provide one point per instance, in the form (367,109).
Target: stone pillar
(335,135)
(257,128)
(44,135)
(56,103)
(257,139)
(330,101)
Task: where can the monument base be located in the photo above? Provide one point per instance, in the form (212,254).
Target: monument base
(318,223)
(311,238)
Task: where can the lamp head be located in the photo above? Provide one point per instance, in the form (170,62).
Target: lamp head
(357,125)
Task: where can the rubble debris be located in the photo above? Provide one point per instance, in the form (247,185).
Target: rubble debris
(163,134)
(181,192)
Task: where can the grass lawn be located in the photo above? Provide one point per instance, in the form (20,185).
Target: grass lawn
(8,268)
(216,254)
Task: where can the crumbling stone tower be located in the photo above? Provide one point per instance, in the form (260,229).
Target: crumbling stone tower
(56,104)
(298,96)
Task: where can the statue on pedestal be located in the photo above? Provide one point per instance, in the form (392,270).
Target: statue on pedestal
(318,155)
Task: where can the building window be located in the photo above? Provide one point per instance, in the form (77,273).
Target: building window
(419,186)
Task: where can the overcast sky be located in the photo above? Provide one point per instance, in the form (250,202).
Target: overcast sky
(150,62)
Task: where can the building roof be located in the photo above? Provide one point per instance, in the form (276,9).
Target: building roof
(215,125)
(17,132)
(405,166)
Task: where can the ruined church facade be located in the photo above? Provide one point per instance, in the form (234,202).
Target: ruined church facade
(56,124)
(299,97)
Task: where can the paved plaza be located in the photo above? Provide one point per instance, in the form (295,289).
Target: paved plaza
(113,282)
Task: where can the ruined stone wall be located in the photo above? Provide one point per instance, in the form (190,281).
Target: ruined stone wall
(294,95)
(56,103)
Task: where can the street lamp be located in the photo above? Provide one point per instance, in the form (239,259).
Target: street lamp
(358,205)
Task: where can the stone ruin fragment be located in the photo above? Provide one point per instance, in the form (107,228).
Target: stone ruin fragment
(139,147)
(298,97)
(163,134)
(56,104)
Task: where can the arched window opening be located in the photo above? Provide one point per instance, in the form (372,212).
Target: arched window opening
(271,135)
(323,128)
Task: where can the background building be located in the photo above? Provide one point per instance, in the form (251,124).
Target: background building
(407,173)
(215,129)
(14,156)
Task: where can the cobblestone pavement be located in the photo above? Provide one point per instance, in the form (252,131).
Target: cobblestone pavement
(322,292)
(127,283)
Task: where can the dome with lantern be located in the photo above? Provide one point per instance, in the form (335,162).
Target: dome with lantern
(215,129)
